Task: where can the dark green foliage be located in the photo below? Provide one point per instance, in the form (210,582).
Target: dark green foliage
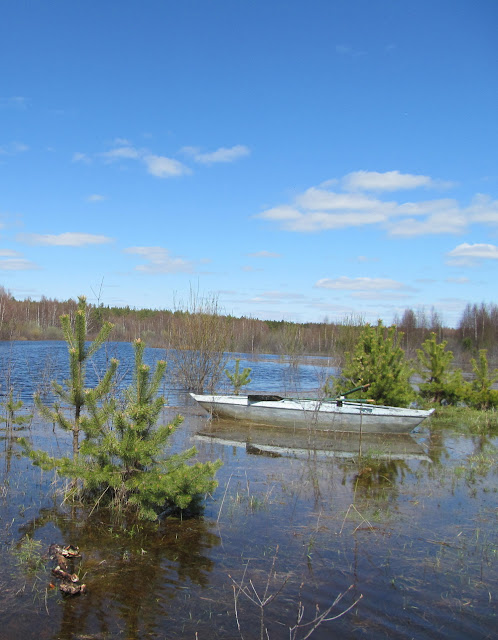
(122,459)
(481,395)
(377,360)
(122,462)
(238,378)
(439,383)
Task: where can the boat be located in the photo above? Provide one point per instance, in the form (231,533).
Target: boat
(335,414)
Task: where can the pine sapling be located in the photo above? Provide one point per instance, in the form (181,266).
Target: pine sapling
(238,378)
(72,393)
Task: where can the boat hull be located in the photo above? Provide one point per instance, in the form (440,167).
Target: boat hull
(314,414)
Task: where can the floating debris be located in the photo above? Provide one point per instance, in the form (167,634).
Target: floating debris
(64,570)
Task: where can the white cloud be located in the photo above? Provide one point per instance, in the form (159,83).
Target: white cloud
(387,181)
(17,264)
(293,220)
(483,209)
(96,197)
(321,199)
(163,167)
(223,154)
(451,221)
(68,239)
(8,253)
(160,166)
(283,212)
(469,254)
(320,209)
(345,283)
(160,261)
(120,153)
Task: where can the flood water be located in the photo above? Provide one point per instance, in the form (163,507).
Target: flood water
(410,537)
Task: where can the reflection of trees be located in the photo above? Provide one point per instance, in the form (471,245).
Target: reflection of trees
(376,482)
(131,575)
(375,476)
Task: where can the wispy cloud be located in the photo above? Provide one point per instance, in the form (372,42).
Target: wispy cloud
(81,157)
(68,239)
(471,254)
(461,280)
(387,181)
(123,151)
(12,148)
(17,264)
(367,288)
(276,298)
(96,197)
(321,208)
(223,154)
(344,283)
(160,166)
(348,50)
(159,260)
(264,254)
(14,102)
(163,167)
(120,153)
(366,259)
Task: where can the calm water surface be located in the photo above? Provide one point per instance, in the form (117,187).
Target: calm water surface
(414,537)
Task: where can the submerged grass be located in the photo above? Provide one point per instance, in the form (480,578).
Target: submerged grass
(28,555)
(466,421)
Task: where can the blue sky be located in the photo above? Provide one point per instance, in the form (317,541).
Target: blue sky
(297,160)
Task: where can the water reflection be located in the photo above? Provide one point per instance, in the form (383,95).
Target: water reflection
(275,442)
(135,576)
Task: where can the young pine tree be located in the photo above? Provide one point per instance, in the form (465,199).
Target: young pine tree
(439,383)
(122,459)
(480,394)
(238,378)
(72,393)
(11,417)
(377,360)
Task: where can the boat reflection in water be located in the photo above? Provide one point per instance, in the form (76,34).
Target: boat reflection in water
(276,442)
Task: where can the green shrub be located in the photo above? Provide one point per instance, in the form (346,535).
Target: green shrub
(377,360)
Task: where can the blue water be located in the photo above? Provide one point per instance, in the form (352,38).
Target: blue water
(416,538)
(28,367)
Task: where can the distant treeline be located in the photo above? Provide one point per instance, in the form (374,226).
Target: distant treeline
(39,320)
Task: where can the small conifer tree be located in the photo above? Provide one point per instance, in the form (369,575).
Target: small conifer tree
(481,395)
(439,383)
(122,459)
(11,417)
(238,378)
(72,393)
(379,361)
